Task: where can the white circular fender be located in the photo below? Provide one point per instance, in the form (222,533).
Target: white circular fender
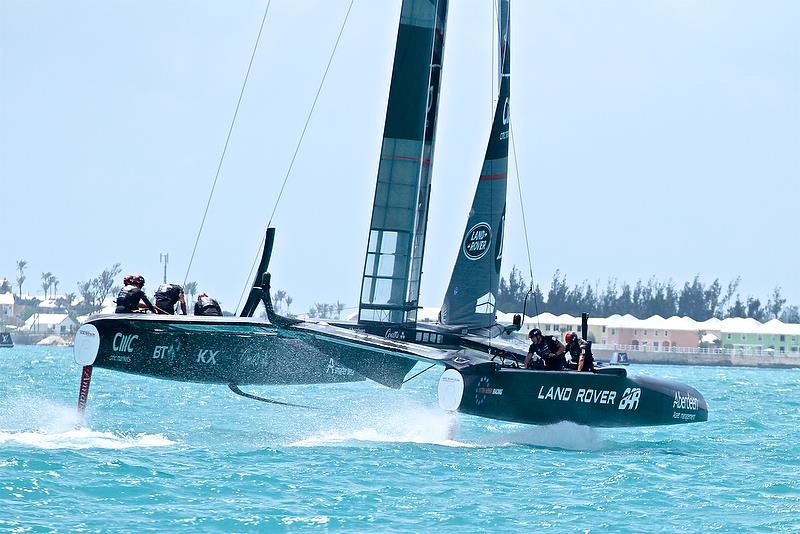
(87,344)
(451,389)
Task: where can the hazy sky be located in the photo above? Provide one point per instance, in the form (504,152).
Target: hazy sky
(654,138)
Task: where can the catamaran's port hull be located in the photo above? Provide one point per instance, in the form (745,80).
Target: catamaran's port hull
(593,399)
(222,350)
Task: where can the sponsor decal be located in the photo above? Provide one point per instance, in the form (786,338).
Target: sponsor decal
(118,358)
(630,399)
(207,356)
(123,342)
(484,388)
(585,395)
(164,351)
(86,333)
(506,117)
(684,402)
(395,334)
(555,393)
(341,370)
(477,241)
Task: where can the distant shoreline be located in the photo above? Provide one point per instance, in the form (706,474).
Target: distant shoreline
(705,359)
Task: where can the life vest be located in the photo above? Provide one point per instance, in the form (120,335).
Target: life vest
(167,296)
(205,305)
(128,299)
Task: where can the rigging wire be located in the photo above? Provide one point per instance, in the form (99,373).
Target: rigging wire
(297,148)
(416,375)
(227,139)
(522,210)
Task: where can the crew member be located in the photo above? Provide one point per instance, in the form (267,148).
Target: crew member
(205,305)
(131,298)
(168,296)
(545,352)
(580,352)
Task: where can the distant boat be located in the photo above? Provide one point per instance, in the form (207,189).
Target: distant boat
(619,358)
(481,358)
(5,340)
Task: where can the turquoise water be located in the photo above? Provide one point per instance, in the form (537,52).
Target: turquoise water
(162,456)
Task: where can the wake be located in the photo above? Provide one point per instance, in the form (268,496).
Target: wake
(564,435)
(410,423)
(42,424)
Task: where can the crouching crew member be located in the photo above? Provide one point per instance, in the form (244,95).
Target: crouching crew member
(168,296)
(580,352)
(131,298)
(545,352)
(205,305)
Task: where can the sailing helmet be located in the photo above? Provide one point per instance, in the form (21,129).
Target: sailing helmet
(534,332)
(570,337)
(134,280)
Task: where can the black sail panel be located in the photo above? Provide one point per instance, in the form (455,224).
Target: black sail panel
(399,213)
(472,292)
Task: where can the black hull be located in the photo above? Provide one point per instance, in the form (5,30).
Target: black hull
(605,399)
(220,350)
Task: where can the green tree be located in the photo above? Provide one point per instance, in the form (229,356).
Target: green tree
(755,310)
(95,290)
(277,298)
(775,303)
(791,314)
(66,301)
(47,282)
(21,266)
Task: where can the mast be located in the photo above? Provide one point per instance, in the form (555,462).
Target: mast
(396,243)
(472,292)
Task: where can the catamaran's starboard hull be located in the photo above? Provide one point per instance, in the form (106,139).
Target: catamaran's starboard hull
(606,399)
(221,350)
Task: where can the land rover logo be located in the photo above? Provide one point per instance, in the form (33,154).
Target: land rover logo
(477,241)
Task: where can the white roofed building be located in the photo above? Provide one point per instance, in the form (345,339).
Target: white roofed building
(6,306)
(50,323)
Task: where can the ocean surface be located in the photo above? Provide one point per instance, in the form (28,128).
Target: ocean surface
(163,456)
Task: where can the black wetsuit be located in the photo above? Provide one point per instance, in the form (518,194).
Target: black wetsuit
(167,296)
(575,350)
(129,298)
(546,349)
(205,305)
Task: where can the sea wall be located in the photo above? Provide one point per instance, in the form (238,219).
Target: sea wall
(689,358)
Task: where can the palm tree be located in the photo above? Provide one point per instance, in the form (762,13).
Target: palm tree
(289,301)
(280,294)
(339,309)
(54,281)
(21,265)
(46,282)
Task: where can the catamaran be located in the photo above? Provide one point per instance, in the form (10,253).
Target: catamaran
(480,357)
